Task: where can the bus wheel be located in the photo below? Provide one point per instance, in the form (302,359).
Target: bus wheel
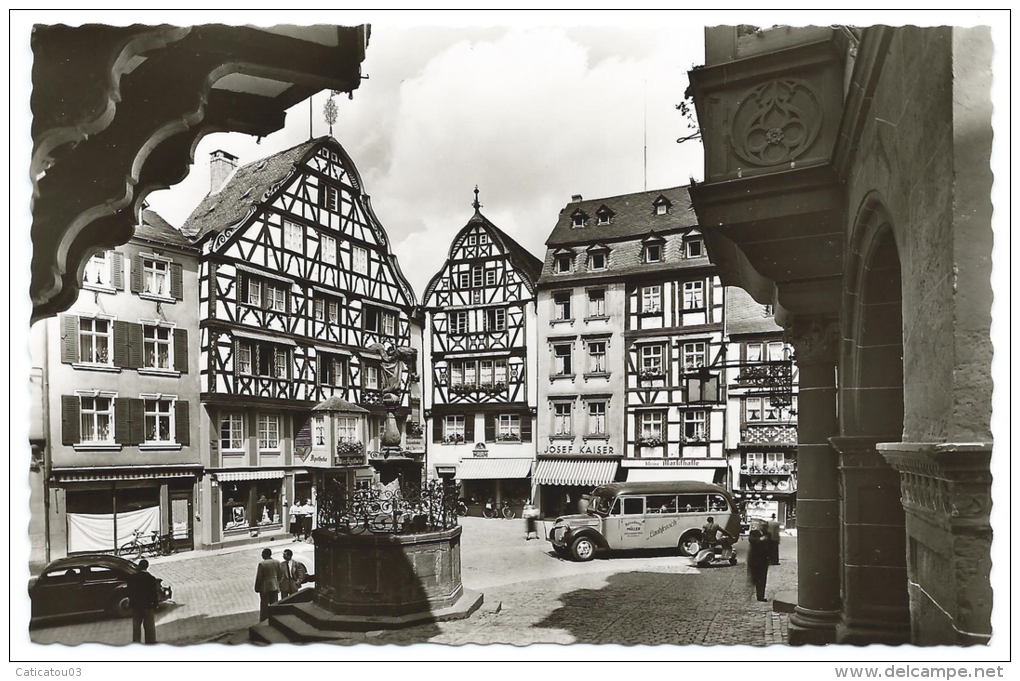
(690,544)
(583,549)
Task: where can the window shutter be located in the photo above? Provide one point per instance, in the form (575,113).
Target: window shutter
(136,274)
(490,428)
(120,344)
(183,423)
(137,420)
(69,337)
(181,350)
(117,270)
(242,290)
(135,347)
(525,427)
(469,428)
(122,421)
(265,294)
(437,428)
(177,280)
(70,413)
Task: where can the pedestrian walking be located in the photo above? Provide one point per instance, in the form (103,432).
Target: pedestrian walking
(758,562)
(773,530)
(294,574)
(530,514)
(267,582)
(143,590)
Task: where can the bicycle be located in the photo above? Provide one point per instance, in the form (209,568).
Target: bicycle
(155,545)
(460,508)
(489,511)
(507,511)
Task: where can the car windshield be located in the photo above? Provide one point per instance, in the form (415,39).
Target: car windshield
(600,505)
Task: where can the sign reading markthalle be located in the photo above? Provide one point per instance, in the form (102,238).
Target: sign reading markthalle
(674,462)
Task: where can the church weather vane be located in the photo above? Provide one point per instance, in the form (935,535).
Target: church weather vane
(475,202)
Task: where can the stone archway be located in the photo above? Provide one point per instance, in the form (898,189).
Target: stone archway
(874,596)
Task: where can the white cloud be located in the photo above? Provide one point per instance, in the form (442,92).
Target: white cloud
(530,114)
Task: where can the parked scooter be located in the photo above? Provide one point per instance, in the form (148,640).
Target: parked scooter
(720,554)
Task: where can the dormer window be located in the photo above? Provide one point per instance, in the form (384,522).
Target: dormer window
(695,248)
(604,215)
(563,263)
(598,257)
(661,205)
(652,248)
(577,219)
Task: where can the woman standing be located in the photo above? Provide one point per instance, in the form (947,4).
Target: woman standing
(758,562)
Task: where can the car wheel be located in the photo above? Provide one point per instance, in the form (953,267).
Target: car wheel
(583,549)
(120,605)
(690,544)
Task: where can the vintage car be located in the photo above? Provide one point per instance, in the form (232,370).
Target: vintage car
(85,584)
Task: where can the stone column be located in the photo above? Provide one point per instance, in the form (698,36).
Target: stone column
(873,590)
(947,498)
(815,340)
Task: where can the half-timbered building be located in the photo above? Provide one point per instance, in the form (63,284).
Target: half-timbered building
(116,449)
(481,392)
(761,416)
(299,293)
(629,312)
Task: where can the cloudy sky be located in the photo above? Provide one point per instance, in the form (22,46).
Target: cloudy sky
(531,112)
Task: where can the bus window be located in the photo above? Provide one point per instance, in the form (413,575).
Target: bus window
(633,505)
(662,503)
(693,503)
(717,502)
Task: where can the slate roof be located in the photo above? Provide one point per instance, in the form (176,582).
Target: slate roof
(633,215)
(243,191)
(154,228)
(744,315)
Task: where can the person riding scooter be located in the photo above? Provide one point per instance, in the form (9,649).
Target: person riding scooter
(717,546)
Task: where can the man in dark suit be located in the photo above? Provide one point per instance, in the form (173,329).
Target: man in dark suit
(267,582)
(774,537)
(294,573)
(143,590)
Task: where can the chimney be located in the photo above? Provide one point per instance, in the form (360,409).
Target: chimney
(221,165)
(576,198)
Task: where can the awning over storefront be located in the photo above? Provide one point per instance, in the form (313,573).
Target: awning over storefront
(234,476)
(575,472)
(671,474)
(103,475)
(493,469)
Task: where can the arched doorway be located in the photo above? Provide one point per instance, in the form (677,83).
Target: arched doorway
(875,604)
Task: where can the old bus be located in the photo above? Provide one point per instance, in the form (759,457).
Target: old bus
(644,515)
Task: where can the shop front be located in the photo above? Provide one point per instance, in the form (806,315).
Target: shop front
(562,483)
(251,502)
(497,481)
(101,511)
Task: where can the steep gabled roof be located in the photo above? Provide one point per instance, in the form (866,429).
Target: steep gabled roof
(745,315)
(154,228)
(244,190)
(521,258)
(633,215)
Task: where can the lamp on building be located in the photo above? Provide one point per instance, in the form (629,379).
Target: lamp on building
(703,387)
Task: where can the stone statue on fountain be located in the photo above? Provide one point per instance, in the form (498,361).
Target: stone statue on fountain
(395,361)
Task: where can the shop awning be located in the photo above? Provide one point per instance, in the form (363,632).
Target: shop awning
(493,469)
(100,475)
(234,476)
(671,474)
(575,472)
